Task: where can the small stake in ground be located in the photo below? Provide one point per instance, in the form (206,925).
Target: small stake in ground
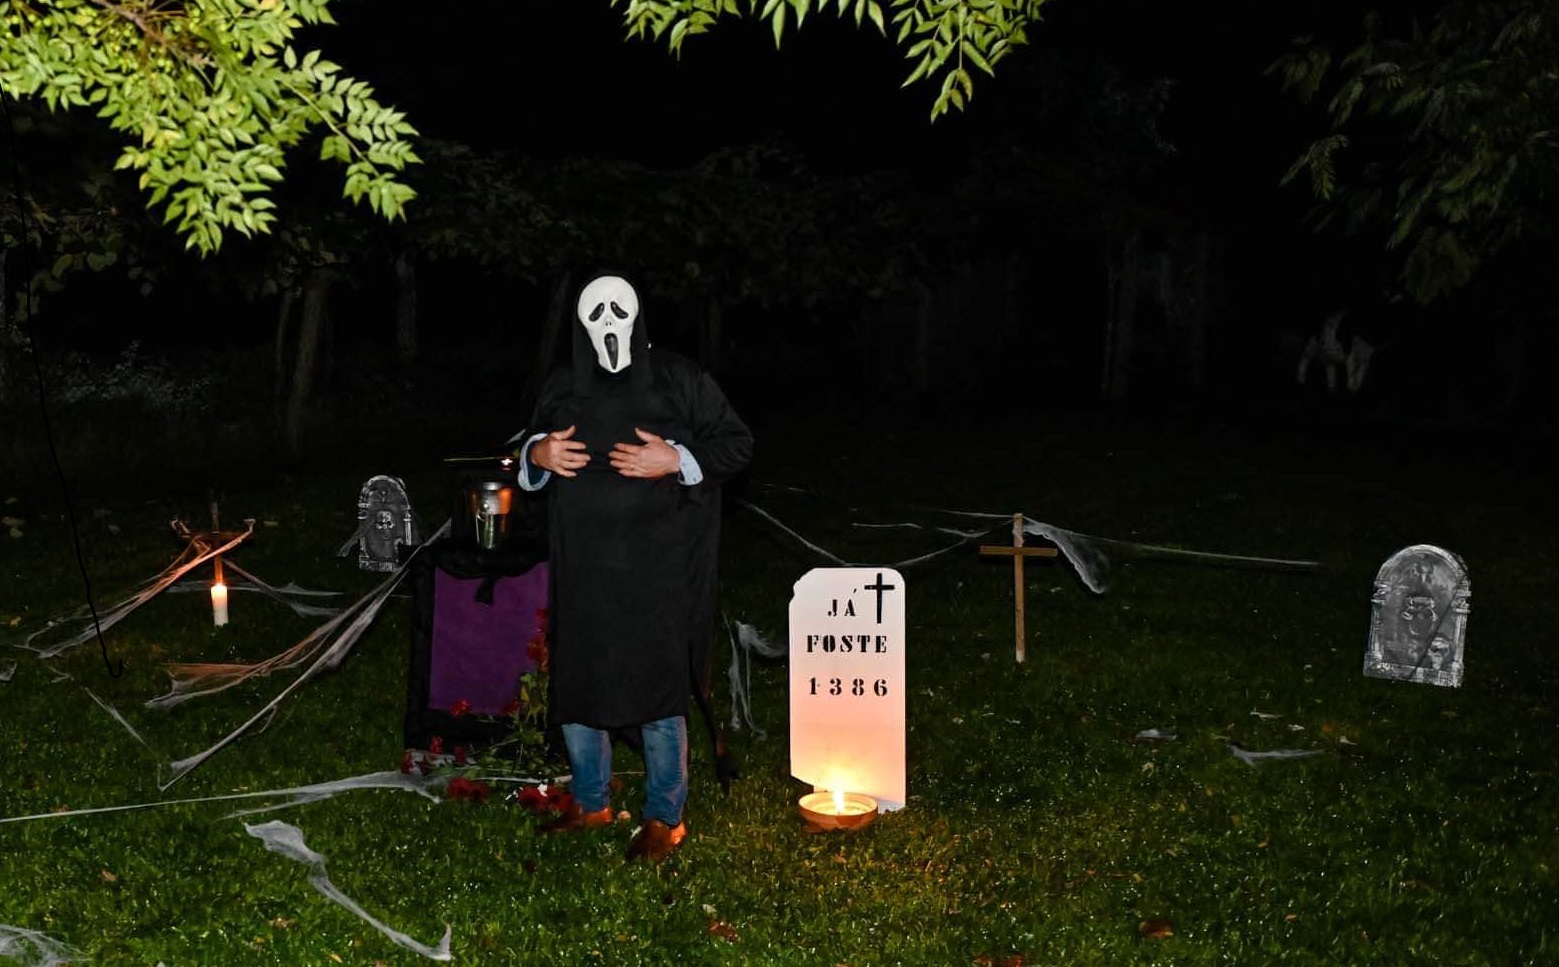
(1017,552)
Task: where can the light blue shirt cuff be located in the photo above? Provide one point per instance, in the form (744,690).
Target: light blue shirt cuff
(691,473)
(526,483)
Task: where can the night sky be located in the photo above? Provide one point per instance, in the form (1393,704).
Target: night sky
(560,79)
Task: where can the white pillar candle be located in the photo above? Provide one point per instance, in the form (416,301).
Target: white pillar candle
(219,604)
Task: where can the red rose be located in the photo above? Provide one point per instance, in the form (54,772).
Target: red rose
(462,788)
(545,799)
(408,762)
(461,707)
(436,745)
(536,650)
(512,708)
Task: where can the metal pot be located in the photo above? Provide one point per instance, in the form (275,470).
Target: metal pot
(488,504)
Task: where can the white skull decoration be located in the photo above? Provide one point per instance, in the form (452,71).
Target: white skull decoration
(607,309)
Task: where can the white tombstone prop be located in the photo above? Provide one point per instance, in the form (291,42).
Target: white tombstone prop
(1418,623)
(847,682)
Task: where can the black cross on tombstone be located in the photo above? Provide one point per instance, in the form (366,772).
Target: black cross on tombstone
(879,587)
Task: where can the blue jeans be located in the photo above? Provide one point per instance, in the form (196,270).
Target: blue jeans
(665,766)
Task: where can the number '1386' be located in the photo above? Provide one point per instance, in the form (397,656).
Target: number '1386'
(857,686)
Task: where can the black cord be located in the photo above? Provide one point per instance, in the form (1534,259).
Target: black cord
(43,407)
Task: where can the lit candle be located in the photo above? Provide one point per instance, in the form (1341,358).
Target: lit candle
(838,809)
(853,804)
(219,603)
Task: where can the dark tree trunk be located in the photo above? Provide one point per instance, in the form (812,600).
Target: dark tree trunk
(1010,333)
(311,333)
(552,329)
(406,309)
(1195,304)
(711,334)
(920,370)
(6,390)
(288,297)
(1120,325)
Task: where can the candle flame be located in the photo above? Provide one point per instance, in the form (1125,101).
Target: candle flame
(839,801)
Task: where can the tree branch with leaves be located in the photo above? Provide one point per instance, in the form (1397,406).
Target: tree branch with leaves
(945,40)
(1442,135)
(212,94)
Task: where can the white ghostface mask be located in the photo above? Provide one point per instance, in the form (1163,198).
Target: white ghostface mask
(607,309)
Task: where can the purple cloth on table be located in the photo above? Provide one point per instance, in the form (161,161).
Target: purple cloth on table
(479,650)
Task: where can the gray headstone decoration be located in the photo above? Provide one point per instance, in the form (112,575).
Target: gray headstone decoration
(1418,623)
(385,524)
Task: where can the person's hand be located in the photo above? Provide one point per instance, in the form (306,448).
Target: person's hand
(558,452)
(654,458)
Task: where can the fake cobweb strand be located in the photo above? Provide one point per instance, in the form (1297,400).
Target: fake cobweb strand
(1080,550)
(1083,552)
(29,948)
(746,641)
(365,610)
(1254,758)
(286,594)
(123,608)
(194,679)
(115,714)
(280,837)
(296,795)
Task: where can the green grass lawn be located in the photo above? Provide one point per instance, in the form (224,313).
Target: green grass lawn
(1038,829)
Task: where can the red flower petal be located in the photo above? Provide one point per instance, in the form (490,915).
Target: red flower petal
(462,788)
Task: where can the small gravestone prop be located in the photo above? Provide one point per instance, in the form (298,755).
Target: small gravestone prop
(847,691)
(1418,622)
(385,524)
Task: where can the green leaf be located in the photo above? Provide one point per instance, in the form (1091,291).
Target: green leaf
(874,11)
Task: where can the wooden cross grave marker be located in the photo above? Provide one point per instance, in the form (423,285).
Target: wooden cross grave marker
(1017,552)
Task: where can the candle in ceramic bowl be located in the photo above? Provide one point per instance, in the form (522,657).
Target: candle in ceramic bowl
(838,810)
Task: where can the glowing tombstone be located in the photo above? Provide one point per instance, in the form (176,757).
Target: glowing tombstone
(847,694)
(1418,620)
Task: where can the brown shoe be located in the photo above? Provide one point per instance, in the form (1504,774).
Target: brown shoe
(655,841)
(575,819)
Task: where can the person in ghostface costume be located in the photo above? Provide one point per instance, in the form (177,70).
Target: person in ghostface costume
(631,444)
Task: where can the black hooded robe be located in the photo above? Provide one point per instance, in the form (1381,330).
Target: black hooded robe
(634,562)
